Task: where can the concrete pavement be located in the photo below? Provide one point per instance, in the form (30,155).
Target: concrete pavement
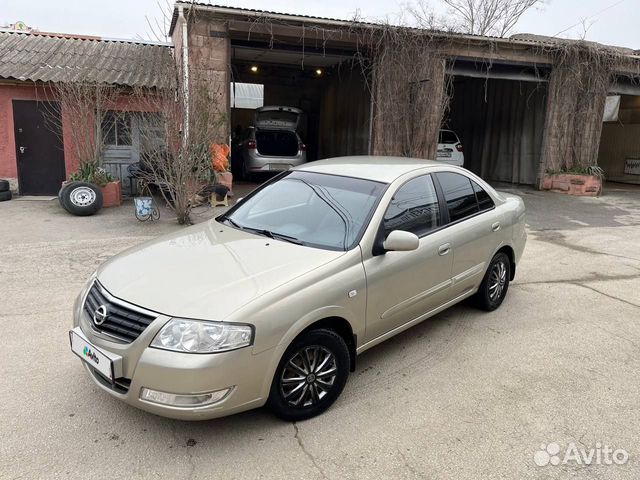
(464,395)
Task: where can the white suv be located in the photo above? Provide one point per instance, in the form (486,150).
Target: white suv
(450,149)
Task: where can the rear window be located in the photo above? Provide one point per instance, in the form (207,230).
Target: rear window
(277,143)
(447,136)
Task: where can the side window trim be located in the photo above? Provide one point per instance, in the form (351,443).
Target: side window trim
(444,211)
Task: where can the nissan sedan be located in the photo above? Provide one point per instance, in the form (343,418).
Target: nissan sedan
(272,302)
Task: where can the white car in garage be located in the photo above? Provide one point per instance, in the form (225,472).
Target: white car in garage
(450,149)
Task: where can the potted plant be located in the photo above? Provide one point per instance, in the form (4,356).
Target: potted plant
(220,163)
(582,181)
(111,188)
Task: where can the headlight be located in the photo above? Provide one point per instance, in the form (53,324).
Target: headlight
(198,336)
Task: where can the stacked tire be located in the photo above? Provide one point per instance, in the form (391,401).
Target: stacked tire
(80,198)
(5,191)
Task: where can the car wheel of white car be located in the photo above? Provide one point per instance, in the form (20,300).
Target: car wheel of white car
(311,375)
(495,283)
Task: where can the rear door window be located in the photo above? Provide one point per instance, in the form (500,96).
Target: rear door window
(458,194)
(414,208)
(484,199)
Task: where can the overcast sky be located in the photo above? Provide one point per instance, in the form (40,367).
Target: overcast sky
(615,22)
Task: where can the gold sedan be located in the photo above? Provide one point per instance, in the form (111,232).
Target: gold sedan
(272,302)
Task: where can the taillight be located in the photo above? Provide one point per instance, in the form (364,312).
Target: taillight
(303,147)
(459,147)
(251,145)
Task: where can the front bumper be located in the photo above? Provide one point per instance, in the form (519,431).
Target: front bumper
(247,375)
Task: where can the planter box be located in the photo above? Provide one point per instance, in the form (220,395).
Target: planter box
(112,194)
(573,184)
(226,179)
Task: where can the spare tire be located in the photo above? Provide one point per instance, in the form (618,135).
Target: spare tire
(4,185)
(82,198)
(61,194)
(4,196)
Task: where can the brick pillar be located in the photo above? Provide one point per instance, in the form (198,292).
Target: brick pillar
(210,65)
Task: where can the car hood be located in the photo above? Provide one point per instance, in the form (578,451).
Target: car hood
(206,271)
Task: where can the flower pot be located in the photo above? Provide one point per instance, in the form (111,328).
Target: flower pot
(112,194)
(226,179)
(573,184)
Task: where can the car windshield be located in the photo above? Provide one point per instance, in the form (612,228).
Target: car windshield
(314,209)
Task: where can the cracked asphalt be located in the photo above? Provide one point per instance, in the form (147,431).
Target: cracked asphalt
(465,395)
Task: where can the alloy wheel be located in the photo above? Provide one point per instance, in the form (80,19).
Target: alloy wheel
(308,376)
(497,280)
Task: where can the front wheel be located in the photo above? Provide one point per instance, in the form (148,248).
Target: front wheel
(310,376)
(495,283)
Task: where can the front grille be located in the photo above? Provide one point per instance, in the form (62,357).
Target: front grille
(124,322)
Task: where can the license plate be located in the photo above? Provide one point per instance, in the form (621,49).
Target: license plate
(444,154)
(91,354)
(278,167)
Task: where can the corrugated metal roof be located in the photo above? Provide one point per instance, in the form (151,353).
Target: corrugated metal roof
(41,57)
(523,39)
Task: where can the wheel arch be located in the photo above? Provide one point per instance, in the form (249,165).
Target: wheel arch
(508,250)
(343,328)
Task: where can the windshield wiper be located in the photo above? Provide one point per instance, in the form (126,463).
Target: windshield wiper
(232,222)
(274,235)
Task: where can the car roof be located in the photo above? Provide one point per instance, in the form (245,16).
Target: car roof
(369,167)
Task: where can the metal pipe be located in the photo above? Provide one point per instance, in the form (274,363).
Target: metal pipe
(185,73)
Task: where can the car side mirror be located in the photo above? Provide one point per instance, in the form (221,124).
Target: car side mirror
(401,241)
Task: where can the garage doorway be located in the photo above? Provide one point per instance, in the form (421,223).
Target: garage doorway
(328,86)
(39,150)
(499,115)
(619,153)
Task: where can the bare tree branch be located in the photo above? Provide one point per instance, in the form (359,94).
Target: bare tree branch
(480,17)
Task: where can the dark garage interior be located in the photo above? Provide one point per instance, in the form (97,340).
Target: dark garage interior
(327,86)
(499,117)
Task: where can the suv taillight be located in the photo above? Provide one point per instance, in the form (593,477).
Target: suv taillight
(303,147)
(251,145)
(459,147)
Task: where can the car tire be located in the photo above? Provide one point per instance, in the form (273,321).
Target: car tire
(495,283)
(5,186)
(5,196)
(61,196)
(82,198)
(310,376)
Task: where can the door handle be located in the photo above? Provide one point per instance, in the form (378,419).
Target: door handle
(444,249)
(495,227)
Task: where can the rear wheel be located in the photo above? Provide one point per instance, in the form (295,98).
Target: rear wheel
(310,376)
(5,196)
(495,283)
